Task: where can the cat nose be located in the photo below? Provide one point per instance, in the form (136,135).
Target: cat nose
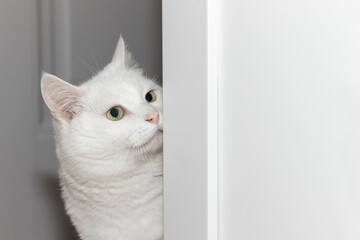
(152,117)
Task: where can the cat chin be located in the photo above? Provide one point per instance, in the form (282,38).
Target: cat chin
(153,144)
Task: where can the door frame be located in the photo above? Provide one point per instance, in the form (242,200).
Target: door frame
(190,83)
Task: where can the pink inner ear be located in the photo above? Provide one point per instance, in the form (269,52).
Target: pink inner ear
(68,104)
(62,98)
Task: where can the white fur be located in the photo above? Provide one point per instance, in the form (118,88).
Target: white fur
(110,171)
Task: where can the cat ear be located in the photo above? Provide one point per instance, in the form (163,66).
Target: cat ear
(122,56)
(62,98)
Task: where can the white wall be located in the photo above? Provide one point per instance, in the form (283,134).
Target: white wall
(289,120)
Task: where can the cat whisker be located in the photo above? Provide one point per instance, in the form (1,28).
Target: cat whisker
(93,71)
(97,65)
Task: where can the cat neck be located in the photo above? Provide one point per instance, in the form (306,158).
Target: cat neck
(109,189)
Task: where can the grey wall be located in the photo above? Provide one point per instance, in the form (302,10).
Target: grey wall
(17,70)
(60,37)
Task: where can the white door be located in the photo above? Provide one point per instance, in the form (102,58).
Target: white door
(289,114)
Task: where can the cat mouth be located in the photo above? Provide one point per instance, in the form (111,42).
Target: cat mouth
(157,133)
(149,141)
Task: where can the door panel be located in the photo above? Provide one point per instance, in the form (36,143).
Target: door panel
(289,120)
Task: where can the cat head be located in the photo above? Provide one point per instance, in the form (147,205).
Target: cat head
(114,119)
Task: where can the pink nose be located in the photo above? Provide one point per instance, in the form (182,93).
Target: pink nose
(152,117)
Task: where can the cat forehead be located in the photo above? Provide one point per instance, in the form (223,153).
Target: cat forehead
(117,87)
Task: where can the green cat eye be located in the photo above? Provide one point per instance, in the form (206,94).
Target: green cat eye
(115,113)
(150,96)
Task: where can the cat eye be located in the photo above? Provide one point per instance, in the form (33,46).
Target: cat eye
(150,96)
(115,113)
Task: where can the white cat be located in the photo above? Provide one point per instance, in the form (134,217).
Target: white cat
(108,135)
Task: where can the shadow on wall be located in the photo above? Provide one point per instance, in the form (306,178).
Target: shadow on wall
(62,228)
